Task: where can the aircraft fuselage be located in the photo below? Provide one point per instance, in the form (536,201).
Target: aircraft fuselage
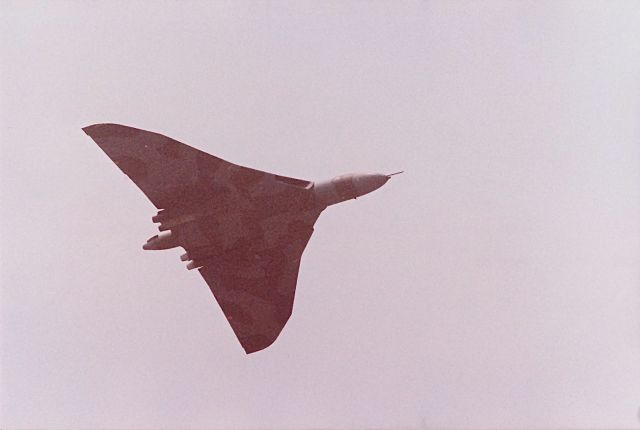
(329,192)
(347,187)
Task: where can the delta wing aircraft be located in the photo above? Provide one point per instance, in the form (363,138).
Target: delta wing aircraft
(243,229)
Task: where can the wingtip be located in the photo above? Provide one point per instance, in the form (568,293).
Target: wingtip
(109,129)
(91,129)
(252,349)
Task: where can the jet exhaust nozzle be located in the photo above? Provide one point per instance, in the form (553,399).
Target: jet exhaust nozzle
(193,265)
(159,217)
(168,221)
(164,240)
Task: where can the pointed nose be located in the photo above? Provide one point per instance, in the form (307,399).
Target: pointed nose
(364,184)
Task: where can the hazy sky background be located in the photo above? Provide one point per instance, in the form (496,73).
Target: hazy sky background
(495,284)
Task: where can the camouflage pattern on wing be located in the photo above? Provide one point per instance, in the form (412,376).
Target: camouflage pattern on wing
(244,229)
(250,258)
(174,175)
(254,282)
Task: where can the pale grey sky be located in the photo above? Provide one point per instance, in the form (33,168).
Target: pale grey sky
(495,284)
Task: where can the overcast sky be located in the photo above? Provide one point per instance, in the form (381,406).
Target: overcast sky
(495,284)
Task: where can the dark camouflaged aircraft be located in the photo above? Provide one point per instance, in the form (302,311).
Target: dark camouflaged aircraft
(243,229)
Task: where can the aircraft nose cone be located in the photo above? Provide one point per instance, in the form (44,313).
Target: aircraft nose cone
(366,183)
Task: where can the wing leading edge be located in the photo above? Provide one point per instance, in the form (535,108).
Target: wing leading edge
(244,229)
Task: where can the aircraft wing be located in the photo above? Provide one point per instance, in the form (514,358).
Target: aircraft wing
(254,283)
(250,260)
(243,228)
(172,174)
